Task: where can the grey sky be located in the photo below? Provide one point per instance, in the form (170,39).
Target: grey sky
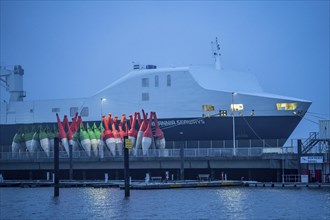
(74,49)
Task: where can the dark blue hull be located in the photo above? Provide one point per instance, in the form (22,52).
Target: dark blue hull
(275,130)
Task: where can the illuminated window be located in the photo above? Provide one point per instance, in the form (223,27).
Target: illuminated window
(156,81)
(286,106)
(236,107)
(208,108)
(145,96)
(84,112)
(223,112)
(168,81)
(73,111)
(145,82)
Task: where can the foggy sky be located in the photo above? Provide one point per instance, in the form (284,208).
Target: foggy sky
(74,49)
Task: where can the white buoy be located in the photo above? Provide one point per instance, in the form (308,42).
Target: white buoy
(147,138)
(85,141)
(44,142)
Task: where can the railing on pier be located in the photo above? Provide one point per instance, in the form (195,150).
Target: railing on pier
(291,178)
(151,153)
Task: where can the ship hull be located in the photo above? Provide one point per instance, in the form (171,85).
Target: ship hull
(271,130)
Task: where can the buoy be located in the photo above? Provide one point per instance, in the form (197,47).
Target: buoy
(108,135)
(84,140)
(116,134)
(97,133)
(16,144)
(28,135)
(100,131)
(101,147)
(147,137)
(92,137)
(51,135)
(62,135)
(74,126)
(123,127)
(75,141)
(132,133)
(159,135)
(143,127)
(44,141)
(70,133)
(35,142)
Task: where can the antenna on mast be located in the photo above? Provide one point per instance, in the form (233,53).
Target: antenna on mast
(216,53)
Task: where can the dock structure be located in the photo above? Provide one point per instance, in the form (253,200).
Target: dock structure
(213,162)
(263,164)
(141,185)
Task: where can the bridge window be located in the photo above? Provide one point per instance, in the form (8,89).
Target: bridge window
(156,81)
(208,108)
(55,109)
(286,106)
(84,112)
(168,81)
(145,96)
(73,111)
(145,82)
(236,107)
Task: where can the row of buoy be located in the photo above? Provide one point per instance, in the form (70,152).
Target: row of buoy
(140,134)
(31,140)
(93,139)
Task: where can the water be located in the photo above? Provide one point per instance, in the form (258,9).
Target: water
(201,203)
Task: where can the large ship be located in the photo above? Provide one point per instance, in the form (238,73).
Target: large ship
(192,103)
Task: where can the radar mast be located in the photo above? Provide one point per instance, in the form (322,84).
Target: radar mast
(216,53)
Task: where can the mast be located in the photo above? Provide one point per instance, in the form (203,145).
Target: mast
(216,53)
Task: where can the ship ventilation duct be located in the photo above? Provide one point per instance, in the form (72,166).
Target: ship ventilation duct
(13,80)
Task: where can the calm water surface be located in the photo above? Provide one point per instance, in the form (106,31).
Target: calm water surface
(206,203)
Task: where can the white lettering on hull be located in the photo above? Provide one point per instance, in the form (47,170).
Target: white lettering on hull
(166,123)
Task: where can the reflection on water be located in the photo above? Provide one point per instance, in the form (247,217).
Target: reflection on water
(204,203)
(233,202)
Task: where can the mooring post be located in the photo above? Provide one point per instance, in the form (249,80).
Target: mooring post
(299,156)
(128,145)
(182,162)
(56,167)
(70,163)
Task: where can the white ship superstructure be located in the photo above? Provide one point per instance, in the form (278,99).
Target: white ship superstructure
(199,101)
